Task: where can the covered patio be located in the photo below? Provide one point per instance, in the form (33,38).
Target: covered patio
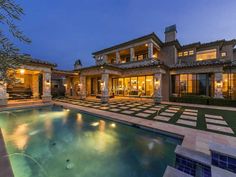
(33,82)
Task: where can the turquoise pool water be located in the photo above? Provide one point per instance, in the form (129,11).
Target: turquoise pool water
(57,142)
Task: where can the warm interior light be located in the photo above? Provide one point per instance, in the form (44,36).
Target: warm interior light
(95,124)
(146,45)
(113,125)
(22,71)
(67,110)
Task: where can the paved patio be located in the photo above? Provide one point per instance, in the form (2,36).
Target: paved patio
(217,121)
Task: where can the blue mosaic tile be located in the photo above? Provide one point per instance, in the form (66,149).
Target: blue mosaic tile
(223,161)
(191,167)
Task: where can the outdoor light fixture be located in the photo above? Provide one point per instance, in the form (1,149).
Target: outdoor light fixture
(146,45)
(48,82)
(95,124)
(102,85)
(113,125)
(22,71)
(219,84)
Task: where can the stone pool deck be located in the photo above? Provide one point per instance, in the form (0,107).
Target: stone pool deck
(197,140)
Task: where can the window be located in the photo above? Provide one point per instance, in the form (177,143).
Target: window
(223,54)
(180,54)
(133,86)
(140,57)
(191,52)
(229,84)
(206,55)
(149,86)
(141,85)
(192,84)
(186,53)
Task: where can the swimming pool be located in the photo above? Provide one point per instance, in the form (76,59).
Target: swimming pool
(57,142)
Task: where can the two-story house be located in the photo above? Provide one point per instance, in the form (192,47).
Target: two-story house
(151,68)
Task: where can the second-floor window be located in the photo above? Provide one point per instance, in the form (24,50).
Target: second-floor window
(206,55)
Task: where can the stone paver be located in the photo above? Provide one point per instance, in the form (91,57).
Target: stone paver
(149,111)
(170,110)
(104,107)
(114,109)
(124,107)
(222,122)
(190,113)
(174,108)
(188,117)
(167,114)
(142,114)
(142,107)
(191,110)
(127,112)
(135,109)
(220,128)
(186,122)
(113,106)
(213,116)
(163,118)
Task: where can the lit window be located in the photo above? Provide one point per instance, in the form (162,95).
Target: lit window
(186,53)
(206,55)
(223,54)
(180,54)
(191,52)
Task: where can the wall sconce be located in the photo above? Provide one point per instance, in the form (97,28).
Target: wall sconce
(22,71)
(102,85)
(219,84)
(157,84)
(48,82)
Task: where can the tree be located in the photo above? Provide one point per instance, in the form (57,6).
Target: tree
(10,58)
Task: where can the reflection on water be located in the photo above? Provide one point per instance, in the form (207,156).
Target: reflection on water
(90,144)
(19,137)
(48,127)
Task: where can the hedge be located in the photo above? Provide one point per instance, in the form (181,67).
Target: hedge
(203,100)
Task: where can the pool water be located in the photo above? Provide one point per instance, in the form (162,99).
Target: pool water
(57,142)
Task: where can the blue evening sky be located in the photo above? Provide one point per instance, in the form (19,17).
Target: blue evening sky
(64,30)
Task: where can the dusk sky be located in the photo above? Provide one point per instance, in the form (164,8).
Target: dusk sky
(64,30)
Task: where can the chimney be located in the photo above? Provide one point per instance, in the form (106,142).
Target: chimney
(78,64)
(170,33)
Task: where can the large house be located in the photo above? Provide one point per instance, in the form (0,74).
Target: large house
(151,68)
(143,67)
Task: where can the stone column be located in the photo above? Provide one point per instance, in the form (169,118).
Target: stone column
(46,87)
(150,50)
(35,86)
(67,86)
(132,54)
(82,87)
(104,88)
(117,57)
(105,58)
(218,85)
(3,95)
(157,88)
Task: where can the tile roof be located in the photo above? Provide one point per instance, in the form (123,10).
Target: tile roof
(43,62)
(199,63)
(151,35)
